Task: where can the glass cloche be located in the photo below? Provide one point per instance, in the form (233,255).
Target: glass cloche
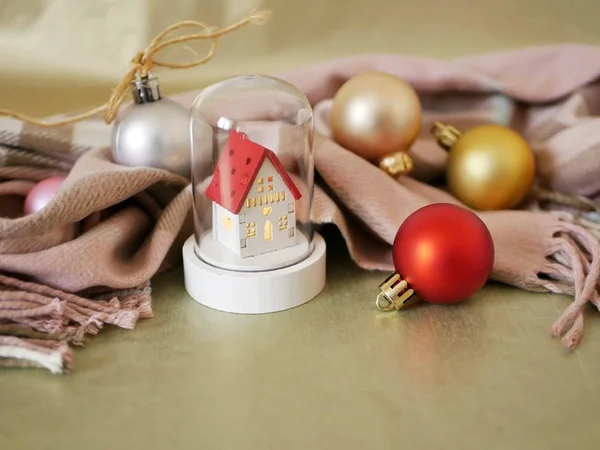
(252,176)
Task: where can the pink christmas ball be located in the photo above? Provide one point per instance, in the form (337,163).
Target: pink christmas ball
(41,194)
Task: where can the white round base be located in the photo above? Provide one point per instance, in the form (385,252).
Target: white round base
(254,292)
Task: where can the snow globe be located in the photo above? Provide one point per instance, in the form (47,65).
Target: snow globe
(254,249)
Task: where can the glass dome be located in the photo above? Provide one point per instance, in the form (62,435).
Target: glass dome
(252,174)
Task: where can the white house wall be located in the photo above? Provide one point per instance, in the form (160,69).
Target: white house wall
(227,228)
(275,209)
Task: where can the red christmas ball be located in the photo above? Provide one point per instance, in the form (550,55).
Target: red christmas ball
(444,252)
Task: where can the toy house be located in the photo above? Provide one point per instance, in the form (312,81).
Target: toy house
(254,199)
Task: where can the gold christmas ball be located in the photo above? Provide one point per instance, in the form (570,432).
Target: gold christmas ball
(490,167)
(375,114)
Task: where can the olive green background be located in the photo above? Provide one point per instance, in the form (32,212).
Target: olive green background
(334,373)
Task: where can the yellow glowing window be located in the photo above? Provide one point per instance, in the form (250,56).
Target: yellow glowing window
(271,198)
(259,200)
(265,199)
(260,181)
(261,189)
(270,179)
(247,203)
(270,187)
(253,201)
(276,196)
(283,223)
(250,229)
(268,231)
(283,195)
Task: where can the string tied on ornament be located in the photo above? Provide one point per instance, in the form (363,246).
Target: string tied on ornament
(143,62)
(157,134)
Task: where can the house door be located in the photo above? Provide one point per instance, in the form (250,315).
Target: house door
(268,235)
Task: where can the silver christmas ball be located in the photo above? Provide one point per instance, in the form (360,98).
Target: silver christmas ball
(153,132)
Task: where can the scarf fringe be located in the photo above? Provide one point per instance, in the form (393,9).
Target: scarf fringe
(54,356)
(574,265)
(38,323)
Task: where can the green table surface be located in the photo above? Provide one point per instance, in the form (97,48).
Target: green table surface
(333,373)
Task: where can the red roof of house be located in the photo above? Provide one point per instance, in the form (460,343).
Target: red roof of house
(236,170)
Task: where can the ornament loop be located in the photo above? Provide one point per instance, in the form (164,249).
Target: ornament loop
(387,306)
(395,292)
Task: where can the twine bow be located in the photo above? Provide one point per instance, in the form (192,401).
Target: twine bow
(144,61)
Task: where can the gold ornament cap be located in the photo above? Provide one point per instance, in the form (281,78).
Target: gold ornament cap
(445,135)
(396,164)
(395,293)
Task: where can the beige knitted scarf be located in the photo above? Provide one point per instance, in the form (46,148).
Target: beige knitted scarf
(87,258)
